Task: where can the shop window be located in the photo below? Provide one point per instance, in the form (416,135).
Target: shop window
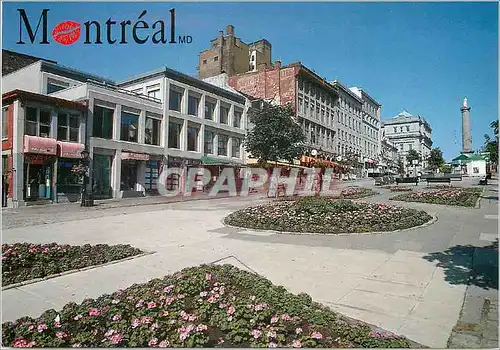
(65,176)
(129,127)
(151,177)
(224,114)
(236,148)
(68,127)
(128,179)
(192,139)
(209,110)
(208,147)
(193,104)
(4,123)
(101,176)
(152,131)
(174,135)
(175,99)
(237,118)
(222,146)
(103,122)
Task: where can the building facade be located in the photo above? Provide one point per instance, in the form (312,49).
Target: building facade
(138,126)
(389,157)
(228,54)
(410,132)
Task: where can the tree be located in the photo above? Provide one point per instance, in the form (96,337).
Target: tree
(275,135)
(401,166)
(491,145)
(435,159)
(412,155)
(445,168)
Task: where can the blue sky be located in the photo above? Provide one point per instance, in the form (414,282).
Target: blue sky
(423,57)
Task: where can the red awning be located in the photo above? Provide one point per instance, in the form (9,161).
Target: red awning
(135,156)
(69,149)
(40,145)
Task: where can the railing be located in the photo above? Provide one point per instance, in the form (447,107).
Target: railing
(118,89)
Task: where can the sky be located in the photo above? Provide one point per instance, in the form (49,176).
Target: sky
(422,57)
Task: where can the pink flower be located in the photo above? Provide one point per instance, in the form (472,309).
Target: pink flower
(296,343)
(135,323)
(298,330)
(164,344)
(155,326)
(272,345)
(115,301)
(76,345)
(169,300)
(271,334)
(208,276)
(231,310)
(203,294)
(22,343)
(256,333)
(286,317)
(220,340)
(32,250)
(139,303)
(57,324)
(201,328)
(115,339)
(259,307)
(151,305)
(109,333)
(117,317)
(42,327)
(61,335)
(212,299)
(274,319)
(146,319)
(130,297)
(317,335)
(152,342)
(94,312)
(45,250)
(77,317)
(31,328)
(168,289)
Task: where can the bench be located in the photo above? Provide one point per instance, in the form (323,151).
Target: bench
(455,177)
(439,180)
(407,180)
(483,181)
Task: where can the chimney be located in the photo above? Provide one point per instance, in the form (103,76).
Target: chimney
(277,64)
(230,30)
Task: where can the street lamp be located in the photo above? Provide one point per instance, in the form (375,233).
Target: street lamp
(85,198)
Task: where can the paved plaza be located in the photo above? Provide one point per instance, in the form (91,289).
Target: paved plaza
(411,282)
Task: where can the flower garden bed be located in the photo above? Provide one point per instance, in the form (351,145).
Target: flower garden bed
(205,306)
(326,215)
(346,193)
(465,197)
(26,261)
(399,188)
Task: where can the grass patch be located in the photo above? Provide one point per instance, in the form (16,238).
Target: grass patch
(205,306)
(26,261)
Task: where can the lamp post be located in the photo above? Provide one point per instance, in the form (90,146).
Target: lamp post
(85,198)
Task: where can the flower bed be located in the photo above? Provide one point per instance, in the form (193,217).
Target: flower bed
(399,188)
(465,197)
(26,261)
(326,215)
(356,192)
(205,306)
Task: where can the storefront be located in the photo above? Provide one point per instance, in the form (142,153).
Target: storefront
(68,184)
(40,155)
(153,170)
(101,176)
(133,174)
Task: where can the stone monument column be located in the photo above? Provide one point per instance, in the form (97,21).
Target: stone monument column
(466,130)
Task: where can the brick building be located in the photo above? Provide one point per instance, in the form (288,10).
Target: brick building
(228,54)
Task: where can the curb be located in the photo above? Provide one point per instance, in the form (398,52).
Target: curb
(69,272)
(478,202)
(425,224)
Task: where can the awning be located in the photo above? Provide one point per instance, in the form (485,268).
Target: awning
(134,156)
(70,150)
(40,145)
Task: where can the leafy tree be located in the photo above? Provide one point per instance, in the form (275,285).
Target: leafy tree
(445,168)
(275,135)
(412,155)
(491,145)
(435,159)
(401,167)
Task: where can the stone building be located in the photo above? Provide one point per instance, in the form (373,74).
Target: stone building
(389,157)
(228,54)
(310,96)
(409,132)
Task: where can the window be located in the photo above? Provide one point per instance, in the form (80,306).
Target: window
(129,127)
(204,61)
(401,129)
(209,110)
(103,122)
(45,121)
(193,104)
(216,58)
(395,130)
(236,148)
(407,128)
(192,138)
(67,127)
(31,124)
(152,131)
(224,114)
(54,86)
(222,146)
(4,123)
(208,147)
(237,118)
(300,105)
(174,135)
(154,93)
(175,99)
